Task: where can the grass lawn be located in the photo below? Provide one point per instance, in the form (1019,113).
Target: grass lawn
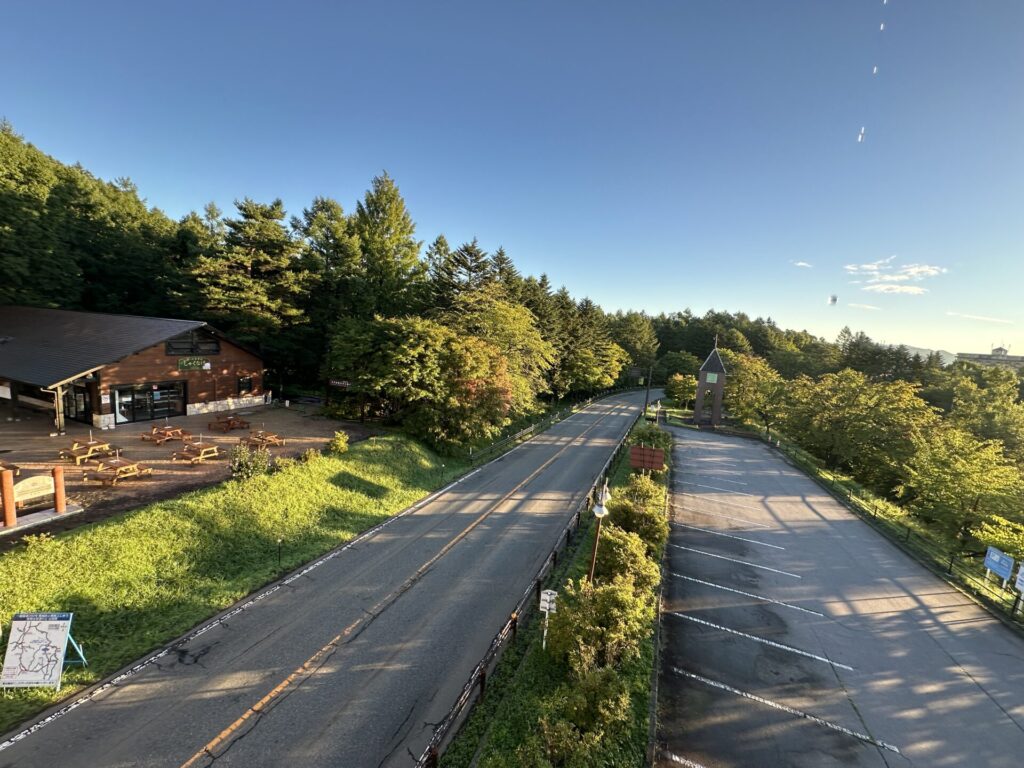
(136,581)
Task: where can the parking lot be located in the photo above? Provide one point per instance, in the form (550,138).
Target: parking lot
(796,635)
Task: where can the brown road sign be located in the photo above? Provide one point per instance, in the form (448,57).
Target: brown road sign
(646,458)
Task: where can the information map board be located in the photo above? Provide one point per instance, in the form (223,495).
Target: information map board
(998,562)
(35,650)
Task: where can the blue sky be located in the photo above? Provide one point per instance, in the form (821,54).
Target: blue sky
(654,155)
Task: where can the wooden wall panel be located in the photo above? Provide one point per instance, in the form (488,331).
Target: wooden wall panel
(151,365)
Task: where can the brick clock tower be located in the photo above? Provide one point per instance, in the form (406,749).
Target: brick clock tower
(711,382)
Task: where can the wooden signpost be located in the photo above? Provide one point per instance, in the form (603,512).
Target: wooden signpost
(641,457)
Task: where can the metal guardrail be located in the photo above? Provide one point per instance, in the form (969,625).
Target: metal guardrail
(962,568)
(531,597)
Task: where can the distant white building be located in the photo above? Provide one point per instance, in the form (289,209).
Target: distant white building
(999,357)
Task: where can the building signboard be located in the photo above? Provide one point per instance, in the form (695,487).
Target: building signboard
(999,563)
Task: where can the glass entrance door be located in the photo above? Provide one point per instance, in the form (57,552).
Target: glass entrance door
(76,403)
(149,401)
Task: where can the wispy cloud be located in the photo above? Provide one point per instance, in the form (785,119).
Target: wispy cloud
(865,306)
(912,290)
(872,267)
(885,276)
(980,318)
(803,264)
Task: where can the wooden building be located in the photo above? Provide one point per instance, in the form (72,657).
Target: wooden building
(106,370)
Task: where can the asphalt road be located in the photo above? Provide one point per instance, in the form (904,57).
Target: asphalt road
(411,610)
(851,654)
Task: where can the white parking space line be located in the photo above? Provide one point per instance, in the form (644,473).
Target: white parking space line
(728,535)
(680,760)
(726,517)
(734,560)
(725,490)
(763,640)
(727,480)
(746,594)
(726,503)
(776,705)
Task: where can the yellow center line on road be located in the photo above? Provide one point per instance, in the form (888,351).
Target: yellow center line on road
(310,666)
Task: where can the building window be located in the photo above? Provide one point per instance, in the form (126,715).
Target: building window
(244,386)
(193,343)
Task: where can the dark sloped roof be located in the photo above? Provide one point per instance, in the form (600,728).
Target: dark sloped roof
(714,363)
(46,347)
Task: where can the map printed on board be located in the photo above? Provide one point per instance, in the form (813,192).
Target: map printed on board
(35,650)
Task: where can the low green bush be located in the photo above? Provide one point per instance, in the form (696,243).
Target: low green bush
(650,525)
(651,435)
(246,463)
(624,554)
(338,444)
(599,625)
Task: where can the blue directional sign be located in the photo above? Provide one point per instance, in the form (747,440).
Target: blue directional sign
(999,563)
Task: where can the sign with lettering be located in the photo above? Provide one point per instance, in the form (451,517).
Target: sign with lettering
(999,563)
(1020,579)
(193,364)
(33,488)
(340,383)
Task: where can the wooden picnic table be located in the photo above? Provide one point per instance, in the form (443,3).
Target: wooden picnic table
(82,451)
(227,423)
(161,435)
(196,453)
(261,437)
(110,471)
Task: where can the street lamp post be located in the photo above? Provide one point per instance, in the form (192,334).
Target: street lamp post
(600,512)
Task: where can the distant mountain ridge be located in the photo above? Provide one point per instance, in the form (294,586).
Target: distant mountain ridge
(947,357)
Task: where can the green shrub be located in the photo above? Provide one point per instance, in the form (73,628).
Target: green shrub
(651,435)
(624,554)
(310,455)
(283,462)
(245,462)
(338,444)
(650,525)
(578,720)
(645,492)
(599,626)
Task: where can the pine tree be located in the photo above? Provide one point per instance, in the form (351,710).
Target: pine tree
(393,279)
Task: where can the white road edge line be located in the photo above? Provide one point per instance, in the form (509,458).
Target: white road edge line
(765,641)
(733,560)
(728,535)
(680,760)
(747,594)
(775,705)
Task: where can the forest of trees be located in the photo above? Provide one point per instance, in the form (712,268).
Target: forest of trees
(453,343)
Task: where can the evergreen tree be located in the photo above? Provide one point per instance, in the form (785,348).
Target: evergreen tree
(392,278)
